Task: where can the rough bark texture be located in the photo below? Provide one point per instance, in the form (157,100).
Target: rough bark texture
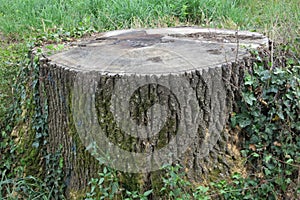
(181,83)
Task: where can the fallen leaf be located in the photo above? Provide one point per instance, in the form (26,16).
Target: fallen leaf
(277,144)
(252,147)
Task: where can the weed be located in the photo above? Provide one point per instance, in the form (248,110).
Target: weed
(108,186)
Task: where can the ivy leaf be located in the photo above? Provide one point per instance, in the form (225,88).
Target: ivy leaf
(280,115)
(249,98)
(35,144)
(268,158)
(248,79)
(267,171)
(244,122)
(265,75)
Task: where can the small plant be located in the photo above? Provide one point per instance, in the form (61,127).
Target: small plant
(107,186)
(201,192)
(23,188)
(270,122)
(175,184)
(137,195)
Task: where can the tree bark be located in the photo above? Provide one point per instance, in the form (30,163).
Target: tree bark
(140,99)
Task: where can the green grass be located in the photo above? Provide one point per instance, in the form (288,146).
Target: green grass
(26,17)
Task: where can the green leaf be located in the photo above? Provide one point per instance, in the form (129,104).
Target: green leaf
(244,122)
(256,155)
(35,144)
(268,158)
(61,162)
(288,180)
(147,193)
(202,189)
(105,170)
(280,115)
(249,98)
(115,187)
(248,79)
(289,161)
(101,181)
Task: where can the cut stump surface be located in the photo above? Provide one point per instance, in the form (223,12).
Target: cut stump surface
(159,51)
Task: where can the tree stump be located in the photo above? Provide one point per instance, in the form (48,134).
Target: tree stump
(140,99)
